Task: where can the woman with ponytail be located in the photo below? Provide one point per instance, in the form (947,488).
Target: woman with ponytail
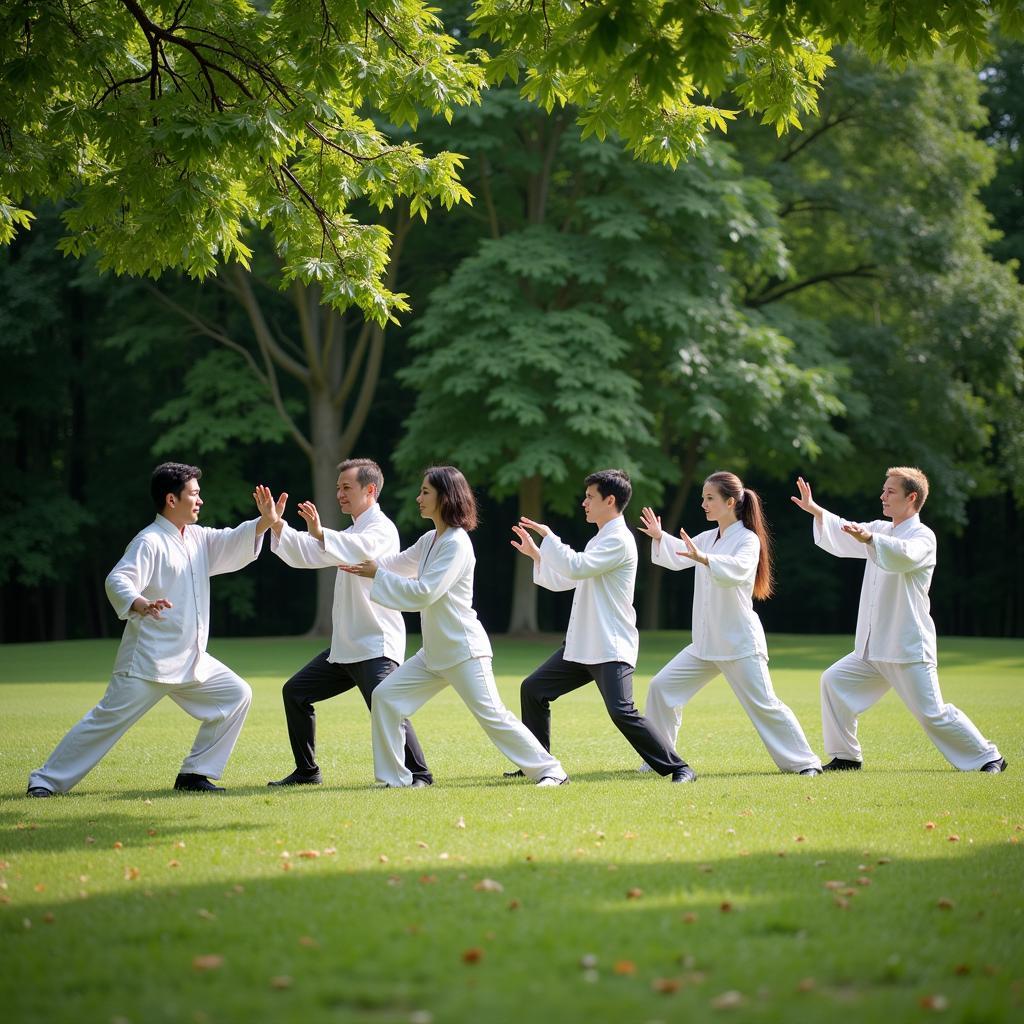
(733,566)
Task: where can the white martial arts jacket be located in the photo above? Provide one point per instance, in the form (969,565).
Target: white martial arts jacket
(162,562)
(362,629)
(435,578)
(602,623)
(894,620)
(725,626)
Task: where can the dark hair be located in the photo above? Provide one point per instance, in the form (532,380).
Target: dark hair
(170,478)
(612,481)
(369,472)
(750,513)
(455,497)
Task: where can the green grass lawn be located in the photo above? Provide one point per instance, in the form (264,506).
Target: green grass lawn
(893,894)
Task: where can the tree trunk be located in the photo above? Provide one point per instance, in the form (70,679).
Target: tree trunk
(524,593)
(325,426)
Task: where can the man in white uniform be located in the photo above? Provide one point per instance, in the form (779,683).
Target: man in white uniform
(895,645)
(161,587)
(368,641)
(601,642)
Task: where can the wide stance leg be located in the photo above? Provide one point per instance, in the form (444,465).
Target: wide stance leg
(473,681)
(545,684)
(775,723)
(220,702)
(403,693)
(126,700)
(956,736)
(848,689)
(615,681)
(316,681)
(672,689)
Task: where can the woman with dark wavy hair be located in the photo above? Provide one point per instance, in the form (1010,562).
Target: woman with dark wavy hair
(733,565)
(435,578)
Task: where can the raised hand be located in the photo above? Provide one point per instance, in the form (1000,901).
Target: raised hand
(526,546)
(308,511)
(691,549)
(151,608)
(650,523)
(367,568)
(805,499)
(538,528)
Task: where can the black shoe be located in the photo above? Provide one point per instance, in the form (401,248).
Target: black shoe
(839,764)
(298,778)
(684,774)
(992,768)
(811,771)
(517,774)
(196,783)
(420,784)
(42,791)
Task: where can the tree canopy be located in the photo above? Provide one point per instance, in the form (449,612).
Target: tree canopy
(171,128)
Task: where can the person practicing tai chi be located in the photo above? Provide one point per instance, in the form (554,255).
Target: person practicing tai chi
(161,586)
(368,640)
(895,644)
(602,642)
(733,566)
(435,578)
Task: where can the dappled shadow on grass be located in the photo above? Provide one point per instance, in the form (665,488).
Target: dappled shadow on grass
(382,942)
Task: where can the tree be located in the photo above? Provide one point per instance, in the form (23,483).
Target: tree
(172,127)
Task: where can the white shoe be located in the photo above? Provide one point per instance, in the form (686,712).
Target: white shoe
(549,780)
(644,767)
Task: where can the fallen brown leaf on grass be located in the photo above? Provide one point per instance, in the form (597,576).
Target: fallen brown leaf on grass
(39,887)
(624,967)
(513,904)
(806,985)
(118,845)
(205,914)
(131,874)
(634,893)
(473,955)
(936,1002)
(150,831)
(428,879)
(962,969)
(207,962)
(666,986)
(309,854)
(48,917)
(689,917)
(945,903)
(488,885)
(383,858)
(953,838)
(174,863)
(308,941)
(281,981)
(422,845)
(929,825)
(725,906)
(834,884)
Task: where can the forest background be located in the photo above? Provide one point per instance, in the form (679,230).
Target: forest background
(826,302)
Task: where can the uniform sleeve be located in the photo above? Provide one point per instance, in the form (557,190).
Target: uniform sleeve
(830,537)
(737,569)
(349,546)
(413,595)
(130,577)
(582,565)
(300,550)
(545,576)
(231,550)
(896,554)
(407,562)
(666,553)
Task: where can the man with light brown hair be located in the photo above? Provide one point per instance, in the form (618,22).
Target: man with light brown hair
(895,645)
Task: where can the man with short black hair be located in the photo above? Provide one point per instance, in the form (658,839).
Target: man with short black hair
(895,645)
(601,643)
(368,641)
(161,587)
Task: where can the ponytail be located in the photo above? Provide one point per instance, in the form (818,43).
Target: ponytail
(749,511)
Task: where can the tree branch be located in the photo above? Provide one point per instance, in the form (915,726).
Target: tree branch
(864,270)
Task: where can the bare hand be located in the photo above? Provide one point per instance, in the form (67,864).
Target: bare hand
(857,532)
(538,528)
(805,499)
(367,568)
(526,545)
(271,511)
(691,549)
(308,512)
(650,524)
(150,608)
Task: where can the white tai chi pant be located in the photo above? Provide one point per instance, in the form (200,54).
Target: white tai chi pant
(852,685)
(412,684)
(674,686)
(220,702)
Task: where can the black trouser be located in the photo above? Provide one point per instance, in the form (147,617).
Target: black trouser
(321,679)
(615,681)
